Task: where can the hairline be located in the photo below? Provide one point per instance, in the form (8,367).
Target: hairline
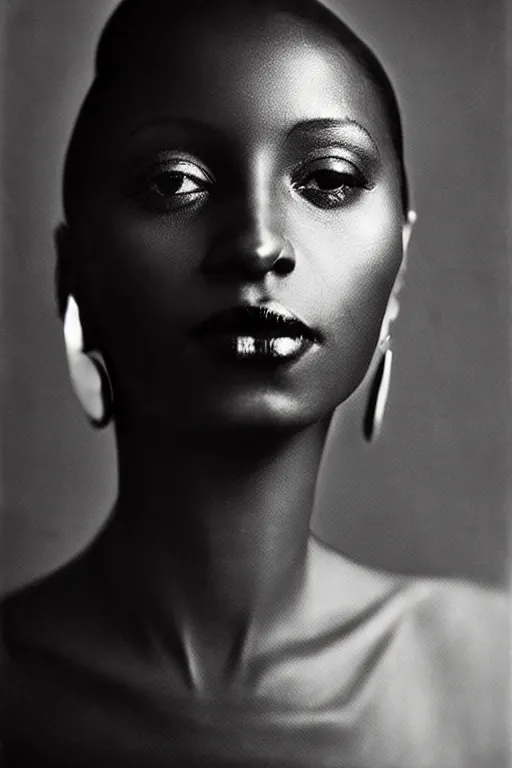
(311,11)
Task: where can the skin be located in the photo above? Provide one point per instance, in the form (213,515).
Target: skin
(213,580)
(238,450)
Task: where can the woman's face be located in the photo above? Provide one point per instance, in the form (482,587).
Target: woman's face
(243,161)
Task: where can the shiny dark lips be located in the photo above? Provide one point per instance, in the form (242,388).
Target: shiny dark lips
(255,321)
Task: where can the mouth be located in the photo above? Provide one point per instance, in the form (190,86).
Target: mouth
(256,333)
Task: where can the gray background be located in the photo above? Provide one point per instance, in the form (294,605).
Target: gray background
(432,495)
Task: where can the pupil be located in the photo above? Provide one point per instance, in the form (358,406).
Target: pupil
(328,179)
(168,183)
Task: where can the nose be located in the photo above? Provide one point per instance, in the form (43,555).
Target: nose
(250,242)
(250,254)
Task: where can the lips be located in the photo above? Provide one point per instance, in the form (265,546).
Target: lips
(255,321)
(256,333)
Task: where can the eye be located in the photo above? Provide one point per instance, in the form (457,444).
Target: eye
(170,183)
(173,185)
(329,182)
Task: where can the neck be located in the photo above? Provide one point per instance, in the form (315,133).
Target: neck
(218,529)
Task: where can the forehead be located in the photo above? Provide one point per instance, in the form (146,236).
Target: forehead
(244,72)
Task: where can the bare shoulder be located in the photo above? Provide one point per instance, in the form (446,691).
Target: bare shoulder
(462,616)
(459,636)
(40,616)
(447,672)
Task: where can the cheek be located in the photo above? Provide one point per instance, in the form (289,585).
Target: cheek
(141,270)
(141,278)
(353,258)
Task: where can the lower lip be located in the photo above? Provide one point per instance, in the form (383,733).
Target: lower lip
(254,349)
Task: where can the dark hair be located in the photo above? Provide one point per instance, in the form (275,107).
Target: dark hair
(129,32)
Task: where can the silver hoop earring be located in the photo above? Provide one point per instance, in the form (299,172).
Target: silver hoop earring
(87,371)
(379,390)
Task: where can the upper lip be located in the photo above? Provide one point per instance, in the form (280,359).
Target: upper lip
(257,320)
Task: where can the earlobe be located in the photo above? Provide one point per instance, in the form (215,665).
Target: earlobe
(394,302)
(407,231)
(62,275)
(379,388)
(406,236)
(88,371)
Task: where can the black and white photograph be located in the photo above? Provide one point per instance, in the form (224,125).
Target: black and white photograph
(256,384)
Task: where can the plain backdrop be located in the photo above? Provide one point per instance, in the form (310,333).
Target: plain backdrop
(432,495)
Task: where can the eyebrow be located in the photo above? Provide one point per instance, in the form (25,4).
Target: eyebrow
(314,125)
(330,123)
(183,123)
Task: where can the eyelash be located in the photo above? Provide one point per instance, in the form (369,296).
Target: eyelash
(351,184)
(147,192)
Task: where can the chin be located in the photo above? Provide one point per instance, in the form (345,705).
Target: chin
(269,412)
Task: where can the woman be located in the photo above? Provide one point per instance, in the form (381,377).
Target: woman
(237,220)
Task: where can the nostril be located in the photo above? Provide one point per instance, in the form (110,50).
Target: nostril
(274,255)
(244,254)
(284,264)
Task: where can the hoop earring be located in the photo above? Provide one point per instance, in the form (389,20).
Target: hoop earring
(379,390)
(87,371)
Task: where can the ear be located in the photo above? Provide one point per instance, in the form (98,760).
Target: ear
(62,275)
(393,307)
(407,230)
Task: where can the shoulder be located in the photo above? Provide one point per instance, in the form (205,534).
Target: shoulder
(36,617)
(56,640)
(460,629)
(58,657)
(460,616)
(435,615)
(443,678)
(457,641)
